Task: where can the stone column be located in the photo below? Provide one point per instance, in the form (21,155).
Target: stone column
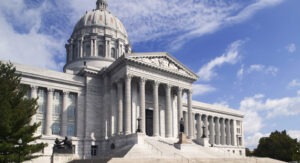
(211,131)
(48,122)
(64,116)
(33,94)
(92,47)
(81,48)
(106,108)
(142,103)
(71,51)
(217,126)
(156,109)
(168,112)
(228,138)
(185,120)
(120,107)
(233,132)
(111,115)
(199,127)
(78,49)
(223,141)
(206,125)
(194,125)
(128,104)
(179,106)
(190,120)
(95,47)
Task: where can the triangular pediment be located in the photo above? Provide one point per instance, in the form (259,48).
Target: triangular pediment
(162,61)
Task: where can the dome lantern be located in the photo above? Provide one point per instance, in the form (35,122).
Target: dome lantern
(101,5)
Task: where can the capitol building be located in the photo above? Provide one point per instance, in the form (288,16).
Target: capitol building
(106,93)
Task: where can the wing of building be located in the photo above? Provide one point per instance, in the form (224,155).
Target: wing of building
(106,93)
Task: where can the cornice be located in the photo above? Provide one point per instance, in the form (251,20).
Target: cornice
(50,79)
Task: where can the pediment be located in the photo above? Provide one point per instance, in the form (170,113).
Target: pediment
(163,61)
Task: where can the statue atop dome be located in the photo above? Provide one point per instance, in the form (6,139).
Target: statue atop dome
(101,5)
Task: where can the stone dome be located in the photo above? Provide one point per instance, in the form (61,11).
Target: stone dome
(101,18)
(98,39)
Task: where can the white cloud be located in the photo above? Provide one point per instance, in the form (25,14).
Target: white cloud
(252,8)
(251,141)
(150,20)
(285,106)
(240,73)
(29,47)
(262,68)
(294,134)
(291,48)
(207,72)
(294,83)
(222,104)
(257,68)
(252,121)
(200,89)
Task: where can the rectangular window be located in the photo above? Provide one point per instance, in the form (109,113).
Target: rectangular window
(56,129)
(240,141)
(70,130)
(71,114)
(94,150)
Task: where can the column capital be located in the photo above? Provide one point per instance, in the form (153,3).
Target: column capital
(34,87)
(190,91)
(143,80)
(128,76)
(156,83)
(65,92)
(180,89)
(50,90)
(168,86)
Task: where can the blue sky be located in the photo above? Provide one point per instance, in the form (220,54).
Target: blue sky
(245,52)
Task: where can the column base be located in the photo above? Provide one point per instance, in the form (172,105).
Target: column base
(204,142)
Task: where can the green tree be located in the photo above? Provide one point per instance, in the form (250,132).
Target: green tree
(248,152)
(279,146)
(15,116)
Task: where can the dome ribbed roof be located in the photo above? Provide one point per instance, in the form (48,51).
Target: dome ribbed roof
(101,18)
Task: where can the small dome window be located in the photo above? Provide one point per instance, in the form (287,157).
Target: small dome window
(101,51)
(74,52)
(87,50)
(113,53)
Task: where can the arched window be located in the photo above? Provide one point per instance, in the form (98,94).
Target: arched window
(113,53)
(101,51)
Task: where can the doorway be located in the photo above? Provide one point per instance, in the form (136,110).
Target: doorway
(149,122)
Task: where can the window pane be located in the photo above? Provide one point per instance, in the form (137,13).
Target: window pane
(100,51)
(56,129)
(70,130)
